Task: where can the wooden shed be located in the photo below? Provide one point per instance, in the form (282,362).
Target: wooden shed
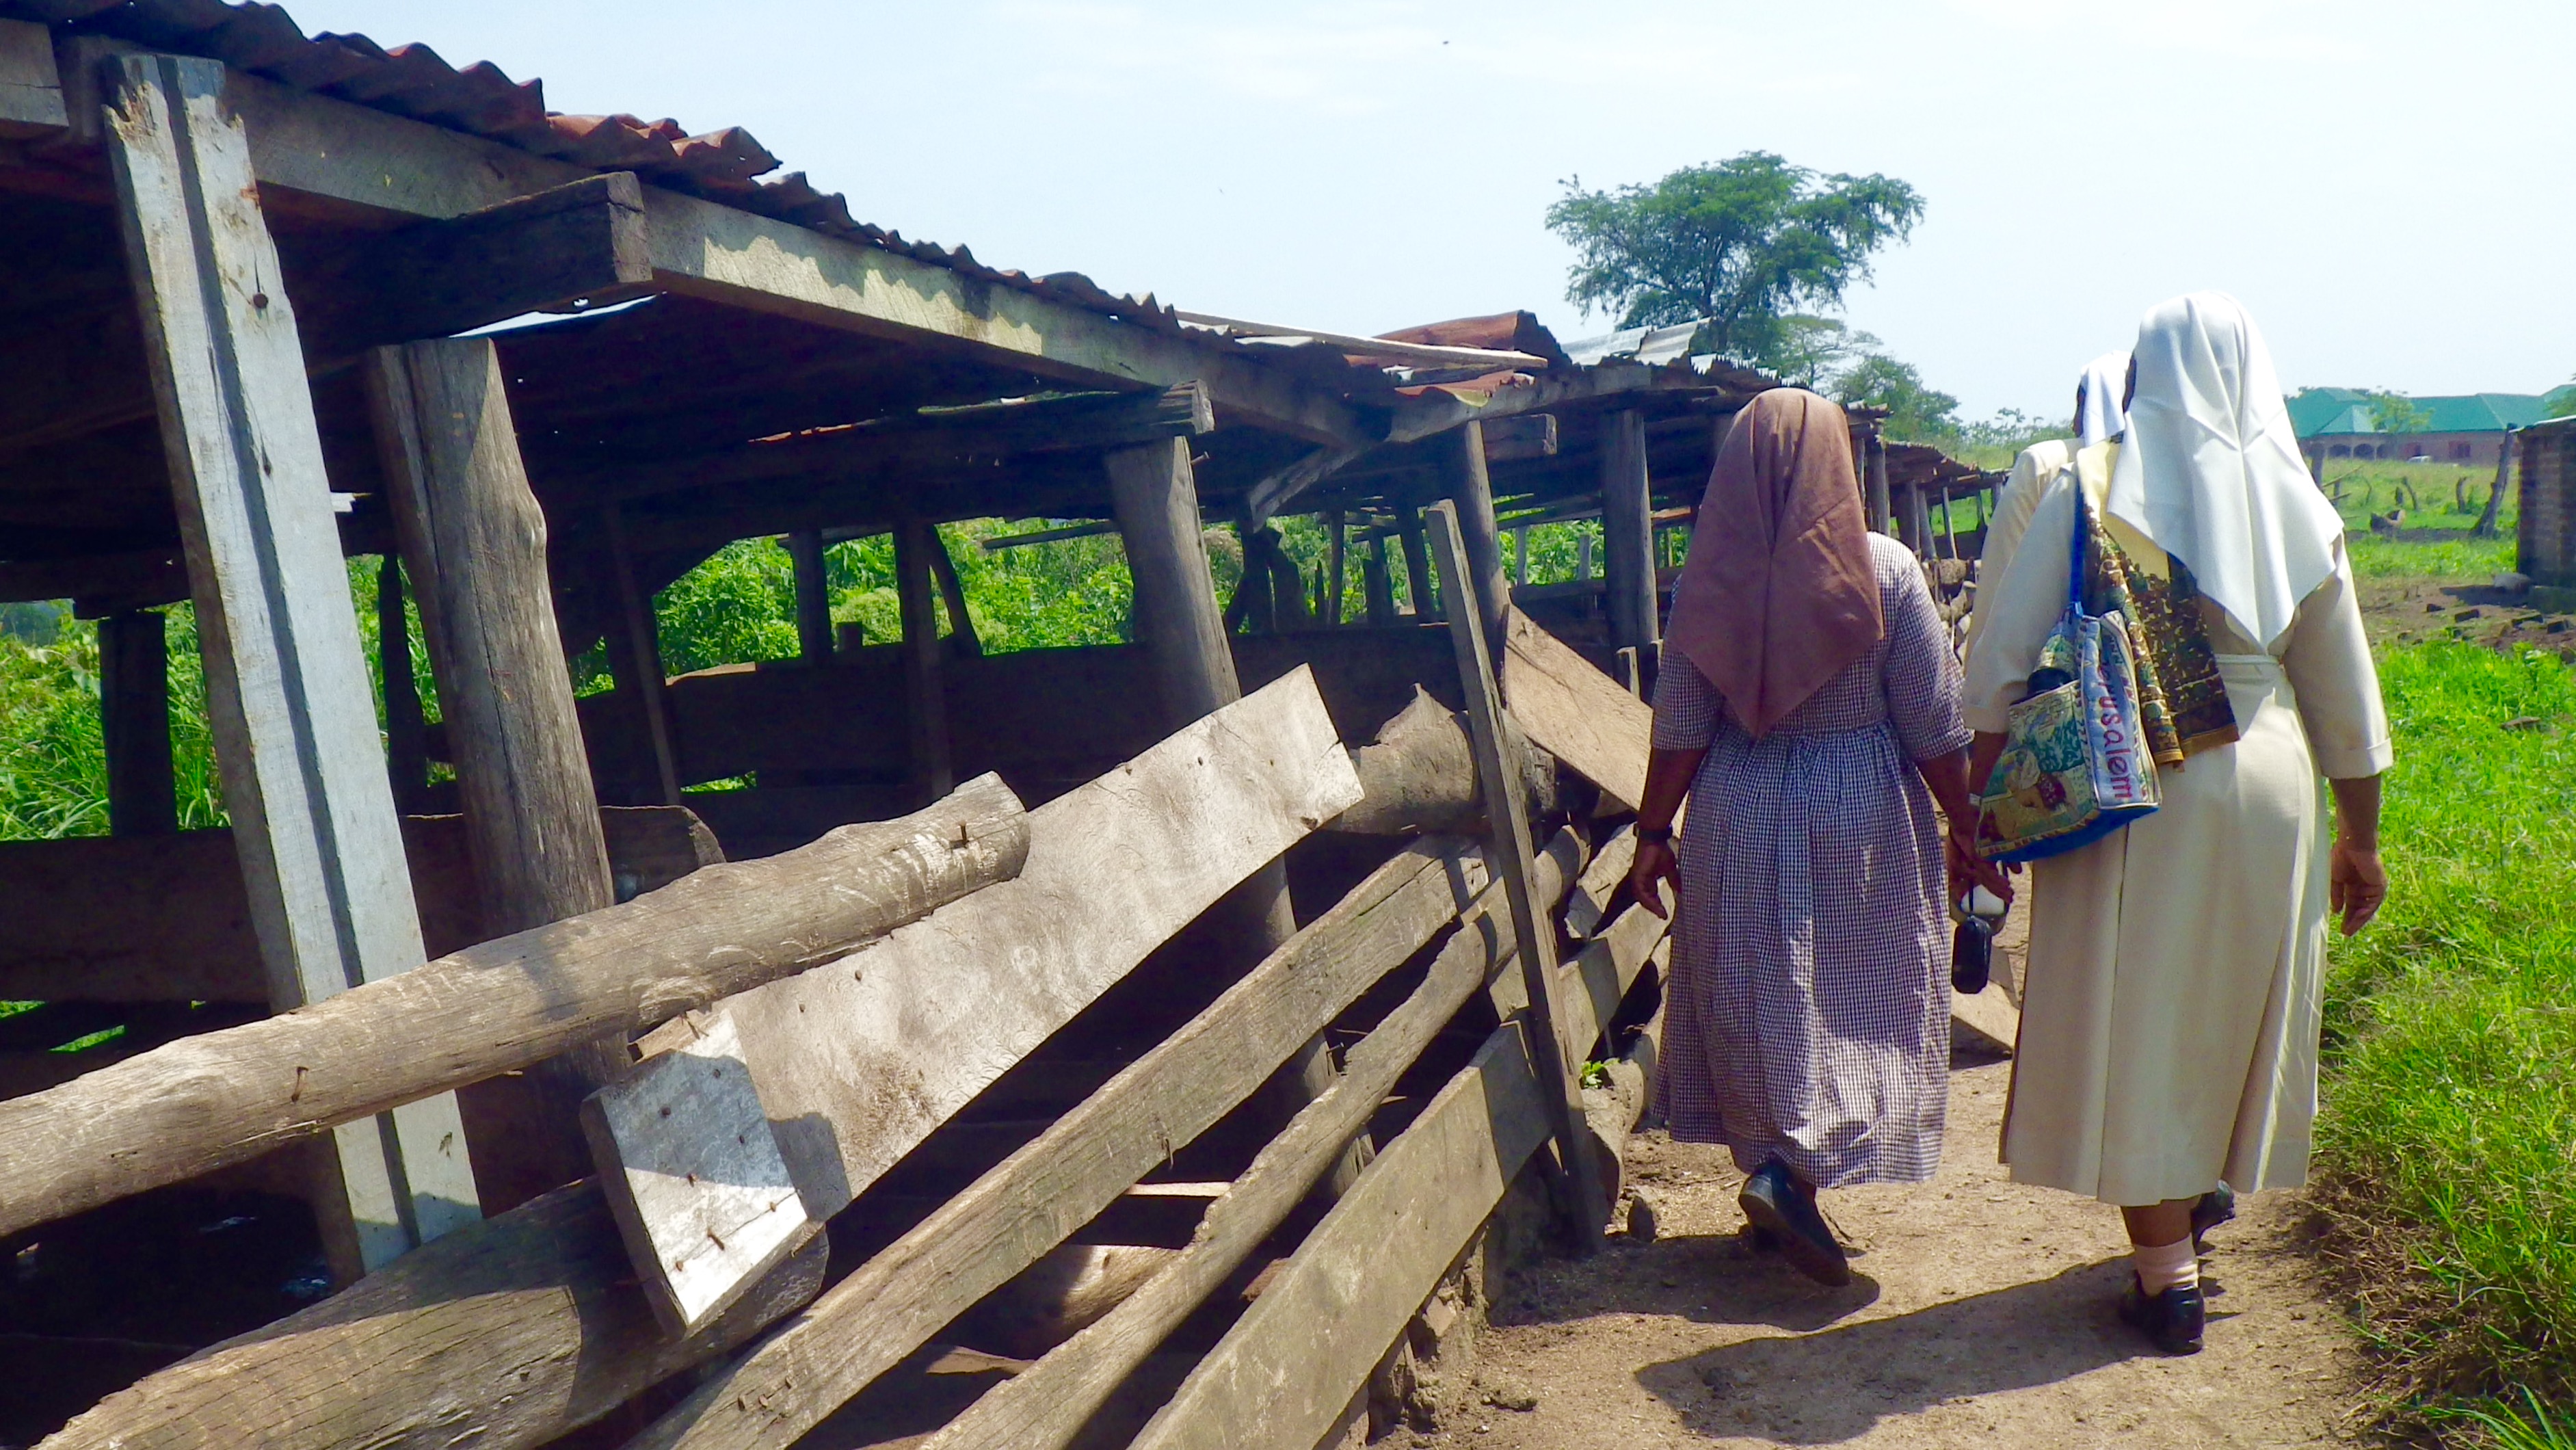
(412,988)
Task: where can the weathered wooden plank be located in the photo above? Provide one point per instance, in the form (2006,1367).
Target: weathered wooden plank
(1015,1213)
(1048,1405)
(856,1063)
(713,1228)
(1285,1371)
(1508,837)
(504,1334)
(295,729)
(223,1097)
(1575,712)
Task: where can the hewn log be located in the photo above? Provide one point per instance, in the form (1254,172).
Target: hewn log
(286,684)
(227,1096)
(506,1333)
(1508,843)
(869,1322)
(1419,775)
(1283,1374)
(1048,1405)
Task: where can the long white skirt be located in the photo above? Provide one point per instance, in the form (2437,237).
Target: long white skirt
(2169,1024)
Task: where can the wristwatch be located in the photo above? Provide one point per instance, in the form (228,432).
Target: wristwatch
(1654,835)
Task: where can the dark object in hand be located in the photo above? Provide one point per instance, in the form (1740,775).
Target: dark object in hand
(1972,954)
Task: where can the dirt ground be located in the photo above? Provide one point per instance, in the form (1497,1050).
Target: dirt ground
(2408,611)
(1980,1313)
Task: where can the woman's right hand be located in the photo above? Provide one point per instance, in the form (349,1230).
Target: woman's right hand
(2356,884)
(1655,865)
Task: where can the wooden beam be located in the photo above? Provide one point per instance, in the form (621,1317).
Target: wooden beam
(161,919)
(925,692)
(137,579)
(1032,1201)
(1177,619)
(1575,712)
(1287,1369)
(1375,585)
(1585,1207)
(474,547)
(1417,562)
(962,640)
(1627,529)
(224,1097)
(1048,1405)
(134,719)
(294,728)
(579,243)
(31,90)
(406,727)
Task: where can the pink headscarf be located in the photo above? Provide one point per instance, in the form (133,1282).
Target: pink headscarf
(1780,592)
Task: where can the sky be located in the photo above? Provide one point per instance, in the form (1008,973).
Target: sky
(2383,184)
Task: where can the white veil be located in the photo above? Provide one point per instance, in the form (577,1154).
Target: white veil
(2106,379)
(2211,471)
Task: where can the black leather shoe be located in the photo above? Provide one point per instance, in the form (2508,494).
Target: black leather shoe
(2215,1207)
(2172,1320)
(1773,1201)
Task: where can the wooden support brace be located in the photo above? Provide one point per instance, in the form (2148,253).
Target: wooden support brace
(635,655)
(813,597)
(1376,585)
(406,727)
(924,681)
(304,777)
(1585,1208)
(1627,531)
(134,719)
(1471,496)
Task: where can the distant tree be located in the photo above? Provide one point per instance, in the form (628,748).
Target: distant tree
(1916,411)
(1811,352)
(2397,413)
(1740,243)
(2561,401)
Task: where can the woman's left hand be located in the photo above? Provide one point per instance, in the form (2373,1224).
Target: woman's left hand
(1968,868)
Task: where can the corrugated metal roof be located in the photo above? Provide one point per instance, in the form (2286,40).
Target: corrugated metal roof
(2338,412)
(1653,346)
(482,100)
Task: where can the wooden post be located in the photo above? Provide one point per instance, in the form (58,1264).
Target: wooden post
(1467,486)
(474,547)
(406,729)
(952,597)
(1507,816)
(635,657)
(304,779)
(1376,585)
(1874,457)
(1335,568)
(1156,495)
(134,721)
(1417,562)
(1628,537)
(813,597)
(1520,555)
(925,683)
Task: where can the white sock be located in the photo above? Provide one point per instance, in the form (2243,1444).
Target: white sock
(2166,1266)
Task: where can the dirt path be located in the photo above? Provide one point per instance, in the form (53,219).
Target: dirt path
(1981,1315)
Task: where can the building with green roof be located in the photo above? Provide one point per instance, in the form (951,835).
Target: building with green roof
(2468,429)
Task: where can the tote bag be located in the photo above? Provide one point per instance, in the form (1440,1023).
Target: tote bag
(2075,765)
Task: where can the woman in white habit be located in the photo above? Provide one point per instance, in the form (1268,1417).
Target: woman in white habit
(2170,1017)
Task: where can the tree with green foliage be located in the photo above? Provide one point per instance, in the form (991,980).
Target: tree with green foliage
(2398,413)
(1917,412)
(1741,243)
(2560,402)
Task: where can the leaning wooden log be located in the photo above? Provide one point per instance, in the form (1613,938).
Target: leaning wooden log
(1575,711)
(1288,1368)
(1419,777)
(856,1064)
(866,1324)
(1048,1405)
(224,1097)
(508,1332)
(525,1327)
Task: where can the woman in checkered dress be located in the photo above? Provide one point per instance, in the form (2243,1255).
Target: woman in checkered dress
(1808,709)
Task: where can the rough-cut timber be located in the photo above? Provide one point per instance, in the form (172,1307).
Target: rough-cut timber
(1575,712)
(1048,1405)
(712,1234)
(857,1062)
(1286,1371)
(506,1333)
(223,1097)
(1628,535)
(868,1323)
(1419,775)
(1510,850)
(286,684)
